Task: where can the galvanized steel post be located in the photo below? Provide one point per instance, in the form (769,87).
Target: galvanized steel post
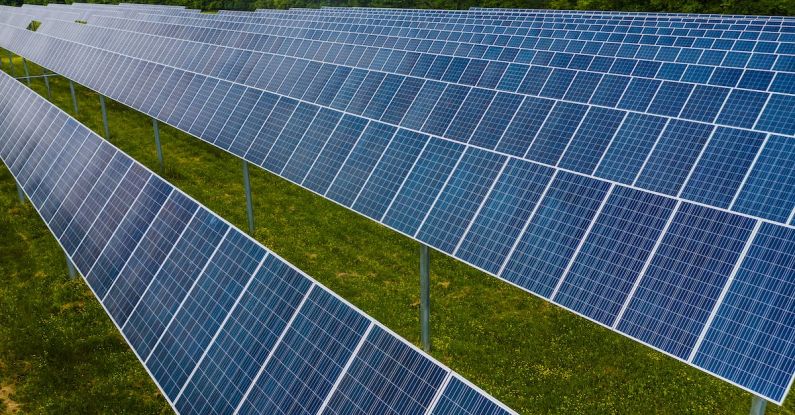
(104,116)
(47,83)
(74,97)
(758,405)
(71,267)
(156,128)
(27,72)
(249,202)
(20,192)
(10,63)
(425,296)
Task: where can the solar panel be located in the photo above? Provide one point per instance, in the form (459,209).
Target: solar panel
(449,187)
(216,318)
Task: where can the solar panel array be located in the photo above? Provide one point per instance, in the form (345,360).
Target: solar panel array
(220,322)
(649,186)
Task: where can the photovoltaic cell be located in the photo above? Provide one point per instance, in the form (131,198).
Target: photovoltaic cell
(673,156)
(699,250)
(246,340)
(172,282)
(769,191)
(386,179)
(427,179)
(750,341)
(201,314)
(630,147)
(309,359)
(460,399)
(386,376)
(458,202)
(548,243)
(153,249)
(503,215)
(613,255)
(722,167)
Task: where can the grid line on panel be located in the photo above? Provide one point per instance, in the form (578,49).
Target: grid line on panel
(182,302)
(220,329)
(582,242)
(724,291)
(345,369)
(173,247)
(646,265)
(275,345)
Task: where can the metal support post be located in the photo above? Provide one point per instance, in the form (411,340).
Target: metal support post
(27,72)
(71,267)
(47,83)
(104,116)
(20,192)
(156,127)
(10,63)
(249,202)
(758,405)
(74,97)
(425,296)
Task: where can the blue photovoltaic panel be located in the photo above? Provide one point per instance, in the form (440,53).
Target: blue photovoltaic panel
(360,163)
(673,156)
(613,255)
(468,117)
(61,203)
(526,122)
(687,273)
(80,221)
(388,175)
(457,204)
(591,139)
(172,282)
(109,218)
(313,141)
(386,376)
(742,108)
(427,179)
(554,136)
(333,155)
(548,243)
(757,312)
(461,399)
(246,340)
(720,171)
(271,130)
(777,116)
(309,359)
(705,102)
(153,249)
(201,314)
(130,231)
(503,215)
(770,188)
(495,120)
(630,147)
(293,132)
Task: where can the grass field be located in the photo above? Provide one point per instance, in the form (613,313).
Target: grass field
(59,352)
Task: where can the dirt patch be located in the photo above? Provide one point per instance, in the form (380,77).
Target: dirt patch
(11,407)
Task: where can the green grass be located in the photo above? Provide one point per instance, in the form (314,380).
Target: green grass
(534,356)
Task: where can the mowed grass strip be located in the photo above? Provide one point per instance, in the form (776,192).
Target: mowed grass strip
(534,356)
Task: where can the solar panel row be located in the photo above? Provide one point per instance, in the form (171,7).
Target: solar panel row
(700,162)
(458,190)
(485,22)
(220,322)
